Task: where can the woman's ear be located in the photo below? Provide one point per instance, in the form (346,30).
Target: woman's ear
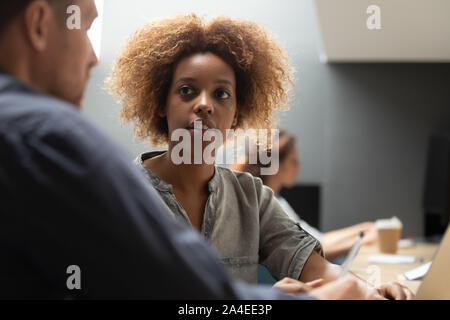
(235,119)
(162,112)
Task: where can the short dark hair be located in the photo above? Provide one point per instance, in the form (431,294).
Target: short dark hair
(10,9)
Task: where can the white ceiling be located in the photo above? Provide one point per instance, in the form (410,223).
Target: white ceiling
(411,31)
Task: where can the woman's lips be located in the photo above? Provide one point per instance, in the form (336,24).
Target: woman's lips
(204,127)
(201,125)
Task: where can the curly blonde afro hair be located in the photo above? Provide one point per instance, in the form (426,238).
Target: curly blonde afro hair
(142,74)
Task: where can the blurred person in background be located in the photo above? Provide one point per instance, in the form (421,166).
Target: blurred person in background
(336,243)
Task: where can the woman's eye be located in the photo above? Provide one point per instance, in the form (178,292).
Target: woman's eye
(185,90)
(222,94)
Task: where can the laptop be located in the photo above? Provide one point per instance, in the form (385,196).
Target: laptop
(436,284)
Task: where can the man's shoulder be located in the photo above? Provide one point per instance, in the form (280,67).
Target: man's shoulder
(24,110)
(21,106)
(36,120)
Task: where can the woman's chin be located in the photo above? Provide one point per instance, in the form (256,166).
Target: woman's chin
(290,184)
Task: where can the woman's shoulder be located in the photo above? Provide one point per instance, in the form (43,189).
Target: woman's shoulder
(241,177)
(149,174)
(243,181)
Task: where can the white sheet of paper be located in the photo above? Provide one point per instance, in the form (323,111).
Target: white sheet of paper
(391,258)
(417,273)
(406,243)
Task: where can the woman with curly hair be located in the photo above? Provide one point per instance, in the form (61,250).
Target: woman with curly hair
(224,74)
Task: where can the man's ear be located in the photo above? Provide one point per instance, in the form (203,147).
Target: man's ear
(37,18)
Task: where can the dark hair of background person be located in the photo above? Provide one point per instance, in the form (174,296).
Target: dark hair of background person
(285,147)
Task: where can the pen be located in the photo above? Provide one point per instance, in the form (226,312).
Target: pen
(352,254)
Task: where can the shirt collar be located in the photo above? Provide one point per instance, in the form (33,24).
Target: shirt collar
(213,183)
(8,82)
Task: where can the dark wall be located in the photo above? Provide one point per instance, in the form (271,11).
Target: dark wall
(377,126)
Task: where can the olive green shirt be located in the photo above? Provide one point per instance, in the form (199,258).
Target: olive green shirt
(245,223)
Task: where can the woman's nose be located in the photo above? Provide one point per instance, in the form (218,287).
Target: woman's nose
(204,104)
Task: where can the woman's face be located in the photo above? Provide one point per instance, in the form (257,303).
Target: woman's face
(203,88)
(289,168)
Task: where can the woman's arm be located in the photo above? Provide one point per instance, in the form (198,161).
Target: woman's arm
(316,267)
(338,243)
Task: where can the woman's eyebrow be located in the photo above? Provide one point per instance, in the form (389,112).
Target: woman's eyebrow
(185,79)
(189,79)
(224,81)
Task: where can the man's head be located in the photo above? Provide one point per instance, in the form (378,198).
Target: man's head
(38,47)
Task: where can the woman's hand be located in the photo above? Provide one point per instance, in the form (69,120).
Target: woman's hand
(346,288)
(352,288)
(293,286)
(395,291)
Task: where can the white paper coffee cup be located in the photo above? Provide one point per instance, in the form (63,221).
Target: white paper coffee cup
(389,233)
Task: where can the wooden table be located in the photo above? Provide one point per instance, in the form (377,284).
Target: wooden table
(373,272)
